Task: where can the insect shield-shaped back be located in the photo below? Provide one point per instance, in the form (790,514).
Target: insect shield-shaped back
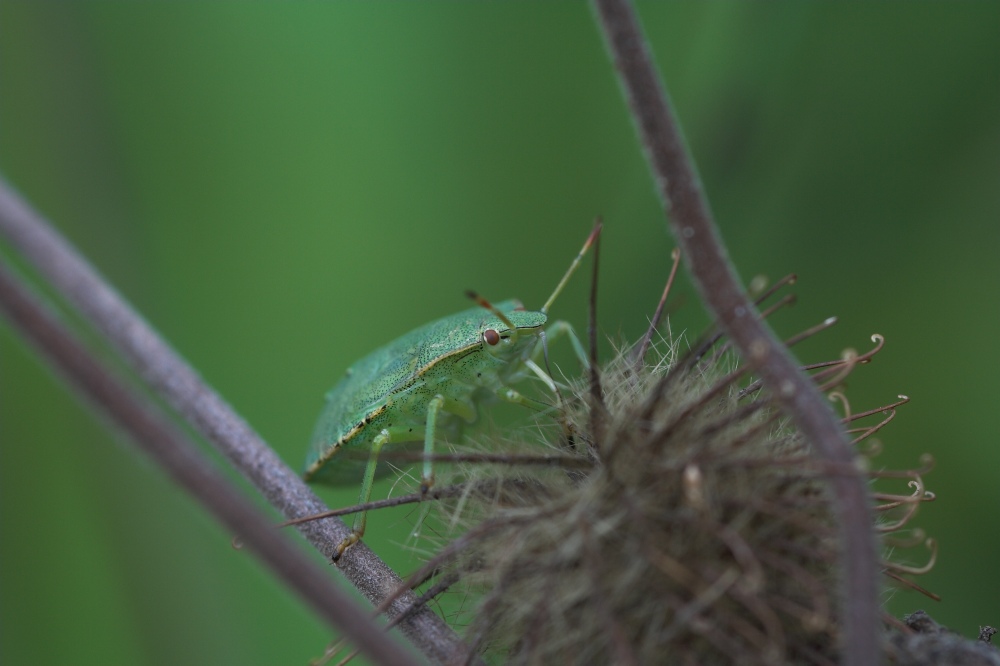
(446,354)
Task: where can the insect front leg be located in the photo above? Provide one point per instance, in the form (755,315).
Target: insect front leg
(557,329)
(553,332)
(510,395)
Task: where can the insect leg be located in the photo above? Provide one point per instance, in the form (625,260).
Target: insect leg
(361,518)
(557,329)
(512,396)
(433,407)
(553,332)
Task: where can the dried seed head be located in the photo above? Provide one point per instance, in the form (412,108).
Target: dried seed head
(686,523)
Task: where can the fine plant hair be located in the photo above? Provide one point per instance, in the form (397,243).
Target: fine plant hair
(694,526)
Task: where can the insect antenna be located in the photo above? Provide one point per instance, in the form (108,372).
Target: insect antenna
(483,303)
(572,267)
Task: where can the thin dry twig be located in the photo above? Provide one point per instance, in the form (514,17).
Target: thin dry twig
(692,224)
(170,377)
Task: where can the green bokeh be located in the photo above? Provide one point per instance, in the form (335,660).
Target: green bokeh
(281,187)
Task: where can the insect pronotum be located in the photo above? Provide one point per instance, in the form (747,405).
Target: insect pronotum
(427,383)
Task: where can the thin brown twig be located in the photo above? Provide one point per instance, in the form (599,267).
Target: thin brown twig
(693,226)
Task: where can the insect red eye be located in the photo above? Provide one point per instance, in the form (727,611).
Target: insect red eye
(491,337)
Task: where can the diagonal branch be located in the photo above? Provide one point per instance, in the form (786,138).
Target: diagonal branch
(692,224)
(187,466)
(169,376)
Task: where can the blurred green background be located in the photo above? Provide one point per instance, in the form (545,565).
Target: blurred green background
(282,187)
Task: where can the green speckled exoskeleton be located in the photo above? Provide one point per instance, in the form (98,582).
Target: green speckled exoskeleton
(427,384)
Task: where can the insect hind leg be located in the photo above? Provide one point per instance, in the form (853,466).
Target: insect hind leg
(554,331)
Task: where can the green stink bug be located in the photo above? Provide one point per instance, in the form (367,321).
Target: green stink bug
(429,382)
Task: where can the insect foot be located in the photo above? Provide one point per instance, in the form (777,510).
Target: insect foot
(344,545)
